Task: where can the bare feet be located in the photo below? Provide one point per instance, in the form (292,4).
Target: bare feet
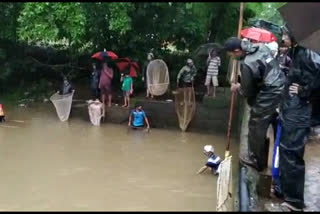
(124,106)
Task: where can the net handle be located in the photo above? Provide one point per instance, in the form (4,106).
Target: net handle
(233,94)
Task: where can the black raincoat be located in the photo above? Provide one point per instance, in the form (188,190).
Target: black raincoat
(94,83)
(66,87)
(295,114)
(262,83)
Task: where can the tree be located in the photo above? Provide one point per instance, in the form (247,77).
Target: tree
(267,11)
(9,19)
(47,22)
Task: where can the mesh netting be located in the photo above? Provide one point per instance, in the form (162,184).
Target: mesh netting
(185,103)
(95,112)
(224,186)
(62,103)
(157,77)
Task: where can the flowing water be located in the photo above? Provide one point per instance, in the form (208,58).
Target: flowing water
(50,165)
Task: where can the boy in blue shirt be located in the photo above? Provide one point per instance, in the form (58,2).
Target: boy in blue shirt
(138,117)
(213,161)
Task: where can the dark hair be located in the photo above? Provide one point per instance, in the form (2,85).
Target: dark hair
(232,44)
(286,30)
(138,104)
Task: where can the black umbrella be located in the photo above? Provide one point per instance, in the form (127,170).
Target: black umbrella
(303,20)
(205,49)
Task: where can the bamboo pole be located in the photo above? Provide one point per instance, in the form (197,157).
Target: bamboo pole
(233,94)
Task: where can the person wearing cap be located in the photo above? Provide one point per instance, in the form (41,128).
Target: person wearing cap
(262,83)
(295,112)
(138,118)
(2,115)
(213,162)
(187,75)
(150,57)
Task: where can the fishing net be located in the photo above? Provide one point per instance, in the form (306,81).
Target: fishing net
(185,103)
(157,77)
(62,103)
(95,112)
(224,186)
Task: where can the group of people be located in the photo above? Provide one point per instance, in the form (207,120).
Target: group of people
(188,72)
(278,86)
(102,77)
(101,87)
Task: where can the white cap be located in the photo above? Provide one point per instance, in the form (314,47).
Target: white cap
(189,61)
(208,148)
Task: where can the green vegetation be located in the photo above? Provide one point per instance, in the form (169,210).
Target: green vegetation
(39,41)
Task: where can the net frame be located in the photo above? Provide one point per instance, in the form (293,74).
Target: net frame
(158,82)
(62,104)
(96,112)
(185,103)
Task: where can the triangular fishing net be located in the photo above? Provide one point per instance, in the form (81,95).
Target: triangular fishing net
(62,103)
(224,186)
(185,103)
(157,77)
(95,112)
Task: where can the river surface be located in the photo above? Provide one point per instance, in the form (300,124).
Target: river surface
(48,165)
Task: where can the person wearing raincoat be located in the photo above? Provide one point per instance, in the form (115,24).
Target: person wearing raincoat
(94,81)
(295,113)
(261,83)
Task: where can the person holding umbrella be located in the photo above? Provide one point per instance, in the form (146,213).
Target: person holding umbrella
(295,111)
(261,83)
(105,83)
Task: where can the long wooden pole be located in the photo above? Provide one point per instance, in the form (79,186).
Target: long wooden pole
(233,94)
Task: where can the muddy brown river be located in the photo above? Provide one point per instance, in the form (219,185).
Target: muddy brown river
(48,165)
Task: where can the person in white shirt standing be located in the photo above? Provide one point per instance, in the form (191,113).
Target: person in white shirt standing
(213,62)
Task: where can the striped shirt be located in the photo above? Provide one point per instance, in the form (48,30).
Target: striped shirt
(213,68)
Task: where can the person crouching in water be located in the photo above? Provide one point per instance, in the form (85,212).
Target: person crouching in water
(127,88)
(2,116)
(213,161)
(138,118)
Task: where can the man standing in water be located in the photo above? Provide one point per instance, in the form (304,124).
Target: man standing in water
(187,74)
(261,83)
(138,118)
